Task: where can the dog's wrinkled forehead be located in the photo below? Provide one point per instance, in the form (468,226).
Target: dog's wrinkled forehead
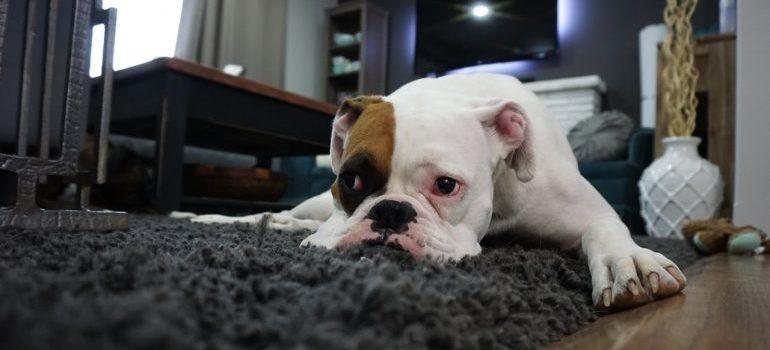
(366,126)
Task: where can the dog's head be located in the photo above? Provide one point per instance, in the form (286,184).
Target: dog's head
(418,175)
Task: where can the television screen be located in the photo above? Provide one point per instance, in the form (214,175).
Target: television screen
(459,33)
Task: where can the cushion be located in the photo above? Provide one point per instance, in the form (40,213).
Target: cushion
(601,137)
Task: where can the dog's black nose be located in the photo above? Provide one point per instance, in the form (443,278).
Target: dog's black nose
(389,216)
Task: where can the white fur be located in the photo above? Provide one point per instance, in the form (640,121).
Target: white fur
(440,126)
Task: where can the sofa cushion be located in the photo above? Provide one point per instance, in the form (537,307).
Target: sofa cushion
(601,137)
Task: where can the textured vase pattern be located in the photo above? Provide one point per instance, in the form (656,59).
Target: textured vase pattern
(679,186)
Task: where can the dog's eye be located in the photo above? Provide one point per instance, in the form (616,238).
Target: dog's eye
(446,186)
(351,181)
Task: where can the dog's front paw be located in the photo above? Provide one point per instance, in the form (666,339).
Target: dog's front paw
(286,222)
(275,221)
(630,277)
(222,219)
(320,240)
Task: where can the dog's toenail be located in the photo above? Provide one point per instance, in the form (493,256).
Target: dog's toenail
(654,281)
(633,288)
(674,273)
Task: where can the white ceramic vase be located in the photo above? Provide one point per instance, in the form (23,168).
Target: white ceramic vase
(679,186)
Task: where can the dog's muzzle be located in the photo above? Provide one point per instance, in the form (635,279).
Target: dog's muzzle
(391,217)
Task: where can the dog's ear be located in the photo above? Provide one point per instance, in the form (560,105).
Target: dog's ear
(508,126)
(346,116)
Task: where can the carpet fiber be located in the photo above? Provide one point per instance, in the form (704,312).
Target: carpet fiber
(171,284)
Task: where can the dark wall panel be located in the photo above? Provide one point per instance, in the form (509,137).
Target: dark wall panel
(596,37)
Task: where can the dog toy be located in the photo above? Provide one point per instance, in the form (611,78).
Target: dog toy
(718,235)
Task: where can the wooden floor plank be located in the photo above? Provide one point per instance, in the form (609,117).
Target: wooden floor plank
(726,305)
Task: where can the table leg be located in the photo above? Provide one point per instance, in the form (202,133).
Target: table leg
(169,146)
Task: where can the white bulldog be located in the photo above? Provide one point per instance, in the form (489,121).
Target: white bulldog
(442,162)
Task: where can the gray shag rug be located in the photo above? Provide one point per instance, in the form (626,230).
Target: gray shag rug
(171,284)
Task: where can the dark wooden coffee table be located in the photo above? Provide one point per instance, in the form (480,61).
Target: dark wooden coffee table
(178,103)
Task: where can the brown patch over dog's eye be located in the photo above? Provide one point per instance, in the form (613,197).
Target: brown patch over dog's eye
(366,159)
(357,180)
(374,133)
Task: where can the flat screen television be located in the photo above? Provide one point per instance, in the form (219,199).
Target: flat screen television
(460,33)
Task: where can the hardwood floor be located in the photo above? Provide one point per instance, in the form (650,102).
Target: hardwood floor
(726,305)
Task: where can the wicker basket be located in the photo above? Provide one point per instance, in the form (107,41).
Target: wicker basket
(254,184)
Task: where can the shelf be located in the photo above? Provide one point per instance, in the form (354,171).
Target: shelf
(347,77)
(349,51)
(348,20)
(372,22)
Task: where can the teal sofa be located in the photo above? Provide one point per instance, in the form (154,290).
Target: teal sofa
(617,180)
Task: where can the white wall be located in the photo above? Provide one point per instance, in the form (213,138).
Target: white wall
(249,33)
(305,44)
(752,134)
(254,38)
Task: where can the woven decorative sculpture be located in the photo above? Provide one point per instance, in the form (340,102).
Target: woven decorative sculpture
(679,73)
(680,185)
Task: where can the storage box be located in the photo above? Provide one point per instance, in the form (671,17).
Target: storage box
(570,100)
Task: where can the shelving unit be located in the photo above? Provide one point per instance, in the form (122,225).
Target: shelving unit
(370,51)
